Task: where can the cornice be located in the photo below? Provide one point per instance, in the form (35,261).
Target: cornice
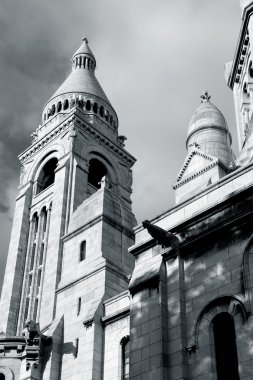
(241,48)
(74,118)
(197,227)
(39,144)
(102,139)
(116,316)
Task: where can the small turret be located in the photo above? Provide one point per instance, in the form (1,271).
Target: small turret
(208,128)
(209,150)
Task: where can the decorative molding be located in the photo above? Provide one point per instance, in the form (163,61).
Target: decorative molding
(214,162)
(140,284)
(115,148)
(116,316)
(197,151)
(235,74)
(45,140)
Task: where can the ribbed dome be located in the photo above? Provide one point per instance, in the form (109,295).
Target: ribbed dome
(209,131)
(206,115)
(81,88)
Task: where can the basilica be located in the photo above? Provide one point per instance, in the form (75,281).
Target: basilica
(89,295)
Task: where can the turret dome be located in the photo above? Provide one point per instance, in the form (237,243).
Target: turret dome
(81,88)
(207,115)
(209,130)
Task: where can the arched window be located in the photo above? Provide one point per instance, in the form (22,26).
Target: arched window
(2,376)
(95,107)
(88,105)
(82,251)
(53,110)
(47,174)
(59,106)
(225,347)
(66,104)
(96,172)
(101,111)
(125,357)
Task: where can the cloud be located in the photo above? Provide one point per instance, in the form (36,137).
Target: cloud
(3,208)
(153,63)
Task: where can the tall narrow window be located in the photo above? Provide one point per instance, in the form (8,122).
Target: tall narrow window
(79,305)
(2,376)
(82,250)
(33,281)
(225,347)
(125,357)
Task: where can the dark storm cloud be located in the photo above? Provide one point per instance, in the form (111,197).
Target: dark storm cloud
(3,208)
(154,60)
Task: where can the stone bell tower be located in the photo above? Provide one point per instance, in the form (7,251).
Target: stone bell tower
(73,224)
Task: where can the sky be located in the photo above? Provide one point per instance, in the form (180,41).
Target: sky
(154,60)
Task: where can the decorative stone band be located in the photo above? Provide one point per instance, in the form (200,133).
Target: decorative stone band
(205,169)
(242,49)
(188,159)
(89,129)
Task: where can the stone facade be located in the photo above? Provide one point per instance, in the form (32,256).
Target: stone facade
(86,294)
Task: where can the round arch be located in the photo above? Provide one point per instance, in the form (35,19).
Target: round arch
(55,150)
(7,372)
(94,151)
(226,303)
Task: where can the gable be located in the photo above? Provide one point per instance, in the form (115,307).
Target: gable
(194,162)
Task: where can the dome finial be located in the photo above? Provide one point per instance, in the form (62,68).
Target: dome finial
(205,97)
(85,40)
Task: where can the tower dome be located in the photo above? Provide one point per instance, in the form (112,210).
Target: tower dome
(209,131)
(81,88)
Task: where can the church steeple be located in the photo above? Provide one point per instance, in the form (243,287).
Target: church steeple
(73,222)
(82,89)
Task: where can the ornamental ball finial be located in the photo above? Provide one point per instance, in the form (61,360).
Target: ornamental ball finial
(205,97)
(85,40)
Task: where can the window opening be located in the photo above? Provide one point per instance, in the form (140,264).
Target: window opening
(82,250)
(2,376)
(59,106)
(77,346)
(79,305)
(33,256)
(53,110)
(35,310)
(47,175)
(225,347)
(125,358)
(27,302)
(96,172)
(95,107)
(88,105)
(101,111)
